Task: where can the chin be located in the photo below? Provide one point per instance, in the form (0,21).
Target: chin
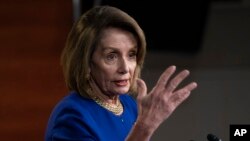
(122,90)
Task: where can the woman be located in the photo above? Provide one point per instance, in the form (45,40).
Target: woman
(102,61)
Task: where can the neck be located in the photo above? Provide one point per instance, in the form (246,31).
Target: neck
(109,102)
(114,99)
(107,98)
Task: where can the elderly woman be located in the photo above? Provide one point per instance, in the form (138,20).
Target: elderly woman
(108,101)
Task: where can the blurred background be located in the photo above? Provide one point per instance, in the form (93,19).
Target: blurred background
(211,38)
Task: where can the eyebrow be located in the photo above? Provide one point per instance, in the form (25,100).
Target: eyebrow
(115,49)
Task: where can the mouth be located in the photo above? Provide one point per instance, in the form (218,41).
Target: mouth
(121,83)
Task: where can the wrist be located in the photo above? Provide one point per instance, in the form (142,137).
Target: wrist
(139,132)
(145,128)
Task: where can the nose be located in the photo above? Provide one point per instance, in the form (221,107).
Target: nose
(123,66)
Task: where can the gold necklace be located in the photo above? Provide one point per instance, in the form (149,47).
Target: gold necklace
(116,109)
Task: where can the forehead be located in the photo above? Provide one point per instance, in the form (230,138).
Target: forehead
(117,38)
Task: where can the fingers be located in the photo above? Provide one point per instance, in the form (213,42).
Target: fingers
(187,88)
(179,96)
(165,76)
(141,89)
(170,85)
(177,80)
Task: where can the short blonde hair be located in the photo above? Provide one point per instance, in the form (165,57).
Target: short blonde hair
(83,39)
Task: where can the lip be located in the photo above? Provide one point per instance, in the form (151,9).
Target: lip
(121,83)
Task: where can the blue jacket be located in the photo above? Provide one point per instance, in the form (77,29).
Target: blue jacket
(76,118)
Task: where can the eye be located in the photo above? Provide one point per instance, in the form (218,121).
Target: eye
(111,56)
(132,54)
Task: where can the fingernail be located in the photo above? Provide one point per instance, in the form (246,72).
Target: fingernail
(194,84)
(173,67)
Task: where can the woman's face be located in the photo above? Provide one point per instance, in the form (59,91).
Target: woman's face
(114,61)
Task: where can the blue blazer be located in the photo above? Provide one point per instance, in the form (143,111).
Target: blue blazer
(76,118)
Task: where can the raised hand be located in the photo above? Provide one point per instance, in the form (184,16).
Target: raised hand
(165,97)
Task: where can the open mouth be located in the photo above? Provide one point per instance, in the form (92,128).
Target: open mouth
(121,83)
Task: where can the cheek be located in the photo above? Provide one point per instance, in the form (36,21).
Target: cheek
(103,75)
(132,68)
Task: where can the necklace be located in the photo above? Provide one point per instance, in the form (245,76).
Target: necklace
(117,109)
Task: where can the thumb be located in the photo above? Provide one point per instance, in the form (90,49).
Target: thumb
(141,89)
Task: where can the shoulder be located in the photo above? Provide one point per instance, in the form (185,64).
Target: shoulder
(70,112)
(72,108)
(73,103)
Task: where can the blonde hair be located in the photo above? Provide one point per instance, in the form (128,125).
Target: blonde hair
(82,41)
